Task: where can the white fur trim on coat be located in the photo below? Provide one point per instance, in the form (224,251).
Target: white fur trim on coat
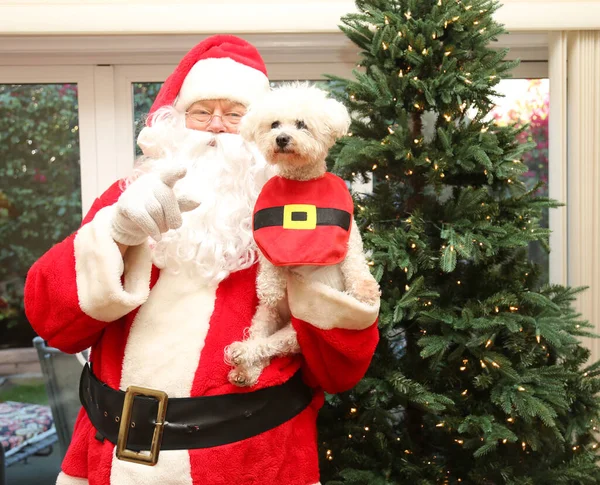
(64,479)
(99,267)
(221,78)
(327,308)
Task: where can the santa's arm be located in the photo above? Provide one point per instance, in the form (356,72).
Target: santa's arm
(83,283)
(337,333)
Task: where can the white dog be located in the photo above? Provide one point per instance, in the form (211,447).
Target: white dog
(294,127)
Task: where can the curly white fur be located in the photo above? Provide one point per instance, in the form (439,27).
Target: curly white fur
(309,122)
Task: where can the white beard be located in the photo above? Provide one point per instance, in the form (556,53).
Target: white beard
(225,174)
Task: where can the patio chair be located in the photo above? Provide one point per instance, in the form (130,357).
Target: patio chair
(61,373)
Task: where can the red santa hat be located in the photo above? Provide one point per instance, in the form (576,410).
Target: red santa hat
(219,67)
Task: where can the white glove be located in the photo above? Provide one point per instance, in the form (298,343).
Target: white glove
(149,207)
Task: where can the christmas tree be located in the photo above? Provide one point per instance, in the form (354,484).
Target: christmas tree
(479,377)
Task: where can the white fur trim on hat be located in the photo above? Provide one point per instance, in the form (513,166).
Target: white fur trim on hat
(221,78)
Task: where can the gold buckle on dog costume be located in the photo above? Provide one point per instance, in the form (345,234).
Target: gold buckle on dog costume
(137,457)
(308,210)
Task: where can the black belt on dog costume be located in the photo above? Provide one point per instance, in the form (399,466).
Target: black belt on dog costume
(147,420)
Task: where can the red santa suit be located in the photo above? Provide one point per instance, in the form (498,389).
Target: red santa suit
(168,330)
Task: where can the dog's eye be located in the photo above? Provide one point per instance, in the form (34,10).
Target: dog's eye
(301,125)
(275,124)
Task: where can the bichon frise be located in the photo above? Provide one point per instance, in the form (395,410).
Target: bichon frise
(294,126)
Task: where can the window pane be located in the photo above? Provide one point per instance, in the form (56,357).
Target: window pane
(40,204)
(526,101)
(143,97)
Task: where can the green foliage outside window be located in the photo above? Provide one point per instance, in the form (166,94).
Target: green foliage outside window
(40,189)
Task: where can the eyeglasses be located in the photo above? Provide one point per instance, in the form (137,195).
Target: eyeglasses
(204,117)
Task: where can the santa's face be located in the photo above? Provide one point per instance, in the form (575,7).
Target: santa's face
(215,116)
(225,174)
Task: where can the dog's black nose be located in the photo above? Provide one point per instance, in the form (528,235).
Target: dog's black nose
(283,140)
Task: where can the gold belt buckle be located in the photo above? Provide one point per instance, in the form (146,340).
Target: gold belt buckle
(308,209)
(133,456)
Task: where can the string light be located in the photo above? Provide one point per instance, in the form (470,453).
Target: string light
(424,52)
(510,420)
(375,166)
(521,388)
(483,366)
(384,45)
(448,117)
(390,130)
(463,368)
(353,410)
(408,15)
(401,73)
(387,21)
(464,393)
(406,287)
(488,343)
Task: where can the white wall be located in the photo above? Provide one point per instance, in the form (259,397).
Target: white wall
(72,17)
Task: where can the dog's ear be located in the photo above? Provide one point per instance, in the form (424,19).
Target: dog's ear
(338,119)
(248,125)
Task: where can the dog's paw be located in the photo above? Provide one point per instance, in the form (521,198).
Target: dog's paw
(244,376)
(245,353)
(235,353)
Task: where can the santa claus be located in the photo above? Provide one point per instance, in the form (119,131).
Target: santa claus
(160,279)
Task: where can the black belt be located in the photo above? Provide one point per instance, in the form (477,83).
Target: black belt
(301,216)
(193,422)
